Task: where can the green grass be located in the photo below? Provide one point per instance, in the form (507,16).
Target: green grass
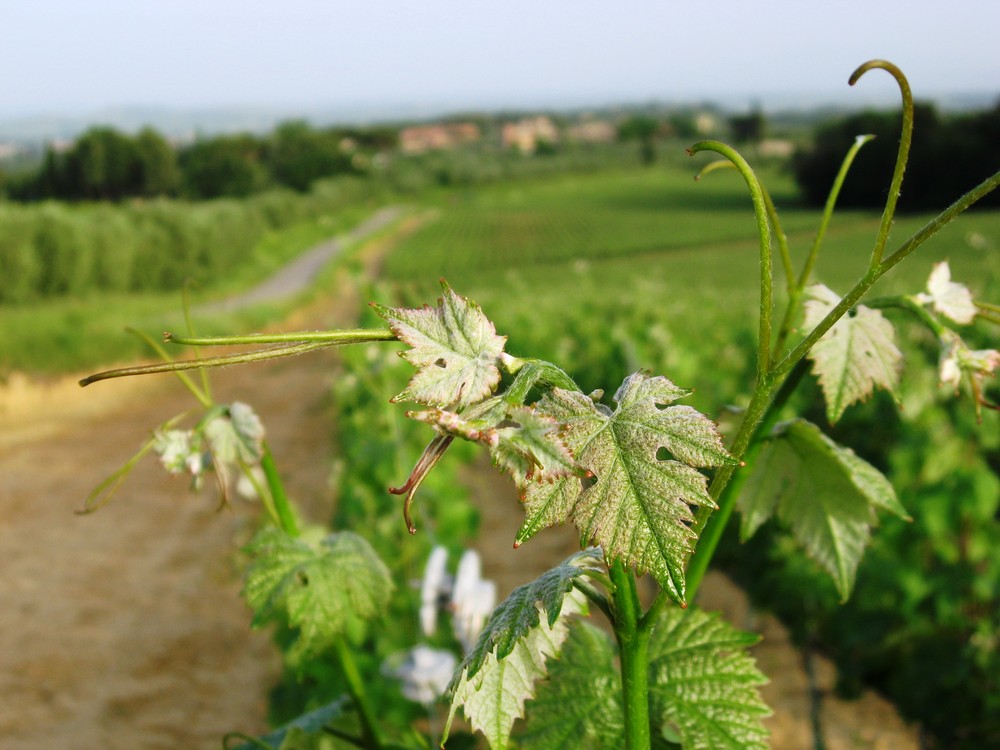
(608,273)
(567,218)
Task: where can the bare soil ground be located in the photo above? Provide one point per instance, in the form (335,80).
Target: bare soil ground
(124,628)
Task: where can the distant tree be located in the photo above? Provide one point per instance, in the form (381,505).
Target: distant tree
(684,125)
(51,178)
(159,171)
(224,166)
(945,156)
(748,128)
(644,129)
(104,164)
(37,185)
(297,155)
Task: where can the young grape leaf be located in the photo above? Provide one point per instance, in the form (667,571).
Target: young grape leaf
(454,346)
(704,685)
(518,613)
(637,506)
(236,434)
(857,354)
(824,492)
(494,698)
(521,441)
(319,589)
(530,448)
(579,706)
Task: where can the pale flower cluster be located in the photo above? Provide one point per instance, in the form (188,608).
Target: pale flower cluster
(180,452)
(424,671)
(958,361)
(468,596)
(954,301)
(229,439)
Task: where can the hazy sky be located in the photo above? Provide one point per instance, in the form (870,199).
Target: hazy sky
(76,56)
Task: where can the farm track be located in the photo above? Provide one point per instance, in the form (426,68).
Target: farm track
(124,628)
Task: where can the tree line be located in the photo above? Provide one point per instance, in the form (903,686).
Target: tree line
(104,164)
(948,154)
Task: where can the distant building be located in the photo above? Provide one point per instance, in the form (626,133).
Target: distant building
(526,134)
(441,136)
(706,123)
(592,131)
(777,148)
(10,150)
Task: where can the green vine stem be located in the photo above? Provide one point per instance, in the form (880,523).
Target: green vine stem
(279,503)
(633,653)
(355,336)
(202,395)
(772,215)
(206,383)
(307,342)
(370,732)
(902,155)
(936,224)
(771,377)
(595,597)
(764,236)
(796,290)
(868,280)
(917,310)
(831,202)
(730,490)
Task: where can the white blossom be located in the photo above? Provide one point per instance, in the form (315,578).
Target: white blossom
(947,297)
(246,488)
(424,673)
(434,589)
(179,452)
(469,597)
(472,600)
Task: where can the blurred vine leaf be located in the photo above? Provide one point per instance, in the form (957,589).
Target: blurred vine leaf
(823,492)
(308,723)
(235,433)
(321,589)
(855,356)
(704,686)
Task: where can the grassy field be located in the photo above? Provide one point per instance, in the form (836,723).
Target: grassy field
(630,266)
(646,268)
(70,334)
